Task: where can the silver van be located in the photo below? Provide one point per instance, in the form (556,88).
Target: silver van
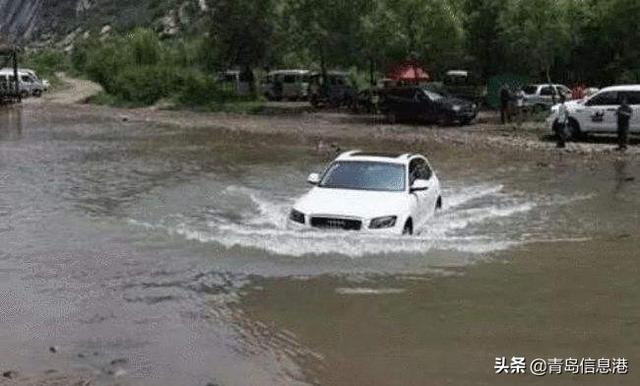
(29,84)
(286,84)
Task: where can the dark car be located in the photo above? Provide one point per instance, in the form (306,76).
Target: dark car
(421,104)
(333,90)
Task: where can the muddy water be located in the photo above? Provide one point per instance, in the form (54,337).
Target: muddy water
(155,256)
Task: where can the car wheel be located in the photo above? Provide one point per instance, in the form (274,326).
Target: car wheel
(439,203)
(392,117)
(408,228)
(37,93)
(443,120)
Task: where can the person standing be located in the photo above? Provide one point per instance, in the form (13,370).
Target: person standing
(562,122)
(505,99)
(624,116)
(520,106)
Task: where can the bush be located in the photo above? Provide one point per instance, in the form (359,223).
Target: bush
(142,85)
(46,62)
(139,69)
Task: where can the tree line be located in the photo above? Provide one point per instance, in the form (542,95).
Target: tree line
(590,41)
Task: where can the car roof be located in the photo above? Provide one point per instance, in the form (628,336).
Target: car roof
(623,87)
(545,84)
(458,73)
(389,157)
(286,72)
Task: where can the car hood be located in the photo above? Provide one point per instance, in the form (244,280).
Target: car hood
(352,203)
(570,105)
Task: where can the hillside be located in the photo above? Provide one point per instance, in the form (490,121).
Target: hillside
(45,22)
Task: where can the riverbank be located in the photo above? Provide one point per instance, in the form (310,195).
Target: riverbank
(326,128)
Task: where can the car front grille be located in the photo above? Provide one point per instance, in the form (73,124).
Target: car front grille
(336,223)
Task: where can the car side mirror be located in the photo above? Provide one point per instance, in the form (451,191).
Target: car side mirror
(419,185)
(313,179)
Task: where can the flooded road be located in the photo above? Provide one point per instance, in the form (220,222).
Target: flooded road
(151,255)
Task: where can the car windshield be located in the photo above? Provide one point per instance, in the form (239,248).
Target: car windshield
(530,89)
(362,175)
(434,96)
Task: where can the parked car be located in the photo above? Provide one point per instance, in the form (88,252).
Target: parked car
(542,96)
(420,103)
(334,90)
(236,81)
(286,84)
(29,84)
(597,113)
(465,85)
(370,192)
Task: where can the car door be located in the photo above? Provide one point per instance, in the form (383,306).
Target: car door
(546,95)
(599,113)
(633,97)
(422,197)
(426,173)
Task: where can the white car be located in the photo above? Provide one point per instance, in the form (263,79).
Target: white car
(541,96)
(597,113)
(370,192)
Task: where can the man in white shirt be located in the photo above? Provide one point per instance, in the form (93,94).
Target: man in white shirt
(562,122)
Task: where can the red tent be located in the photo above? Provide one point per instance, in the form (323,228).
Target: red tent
(408,72)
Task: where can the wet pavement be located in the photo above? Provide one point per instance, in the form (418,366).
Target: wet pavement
(148,254)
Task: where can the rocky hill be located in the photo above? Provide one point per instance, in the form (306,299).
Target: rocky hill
(61,22)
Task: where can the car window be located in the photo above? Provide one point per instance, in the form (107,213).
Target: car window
(415,169)
(546,90)
(425,173)
(633,97)
(434,96)
(604,99)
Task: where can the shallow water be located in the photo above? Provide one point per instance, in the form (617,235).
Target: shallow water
(137,241)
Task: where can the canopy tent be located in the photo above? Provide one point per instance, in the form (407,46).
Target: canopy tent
(408,71)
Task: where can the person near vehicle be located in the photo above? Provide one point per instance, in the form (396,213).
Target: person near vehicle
(278,88)
(563,120)
(505,98)
(578,92)
(624,116)
(520,106)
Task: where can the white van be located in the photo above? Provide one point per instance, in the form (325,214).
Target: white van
(286,84)
(597,113)
(29,83)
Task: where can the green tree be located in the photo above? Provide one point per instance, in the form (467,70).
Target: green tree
(536,35)
(484,43)
(240,31)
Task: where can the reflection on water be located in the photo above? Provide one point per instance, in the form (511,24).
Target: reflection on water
(10,123)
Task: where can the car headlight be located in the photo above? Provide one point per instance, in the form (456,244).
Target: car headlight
(474,106)
(383,222)
(296,216)
(456,108)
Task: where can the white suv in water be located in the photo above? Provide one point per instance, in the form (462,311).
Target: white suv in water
(597,113)
(373,192)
